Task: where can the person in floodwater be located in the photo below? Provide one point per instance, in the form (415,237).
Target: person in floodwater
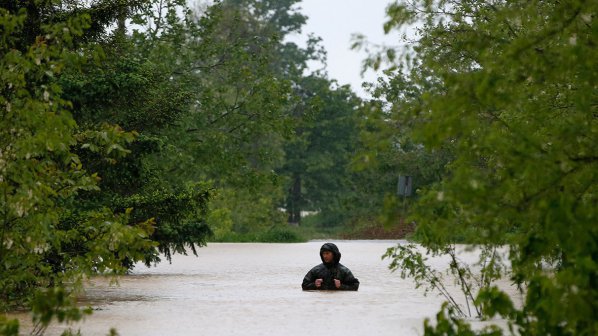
(330,274)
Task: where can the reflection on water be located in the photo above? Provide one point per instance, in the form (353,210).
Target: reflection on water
(255,289)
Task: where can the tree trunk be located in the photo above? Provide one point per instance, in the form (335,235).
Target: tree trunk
(294,201)
(121,27)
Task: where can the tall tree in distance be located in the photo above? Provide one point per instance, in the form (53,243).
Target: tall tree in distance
(245,78)
(318,156)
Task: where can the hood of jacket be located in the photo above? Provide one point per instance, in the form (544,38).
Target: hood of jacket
(332,248)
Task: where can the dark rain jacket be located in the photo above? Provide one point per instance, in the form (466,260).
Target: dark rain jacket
(329,272)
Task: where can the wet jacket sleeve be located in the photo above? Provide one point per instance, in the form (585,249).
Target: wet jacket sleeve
(309,281)
(349,282)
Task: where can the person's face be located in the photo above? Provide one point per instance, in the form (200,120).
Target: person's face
(327,256)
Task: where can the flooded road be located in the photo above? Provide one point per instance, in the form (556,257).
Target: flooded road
(255,289)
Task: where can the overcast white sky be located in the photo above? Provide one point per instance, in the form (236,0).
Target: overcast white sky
(335,21)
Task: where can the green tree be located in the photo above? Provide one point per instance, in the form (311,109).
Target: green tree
(510,87)
(386,151)
(42,177)
(319,153)
(137,93)
(242,74)
(232,133)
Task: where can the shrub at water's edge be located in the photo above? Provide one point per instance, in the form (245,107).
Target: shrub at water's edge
(278,235)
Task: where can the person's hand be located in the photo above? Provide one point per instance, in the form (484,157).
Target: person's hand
(337,283)
(318,283)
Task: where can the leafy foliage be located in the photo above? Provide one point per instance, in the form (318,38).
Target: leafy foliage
(137,94)
(41,176)
(319,153)
(510,88)
(412,263)
(386,151)
(118,145)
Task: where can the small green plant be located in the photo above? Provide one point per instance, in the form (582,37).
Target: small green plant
(273,235)
(412,263)
(281,235)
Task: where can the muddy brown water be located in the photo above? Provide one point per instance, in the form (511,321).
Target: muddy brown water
(254,289)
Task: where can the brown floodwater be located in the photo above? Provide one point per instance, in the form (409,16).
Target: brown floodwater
(255,289)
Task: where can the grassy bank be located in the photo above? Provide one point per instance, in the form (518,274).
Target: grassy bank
(311,230)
